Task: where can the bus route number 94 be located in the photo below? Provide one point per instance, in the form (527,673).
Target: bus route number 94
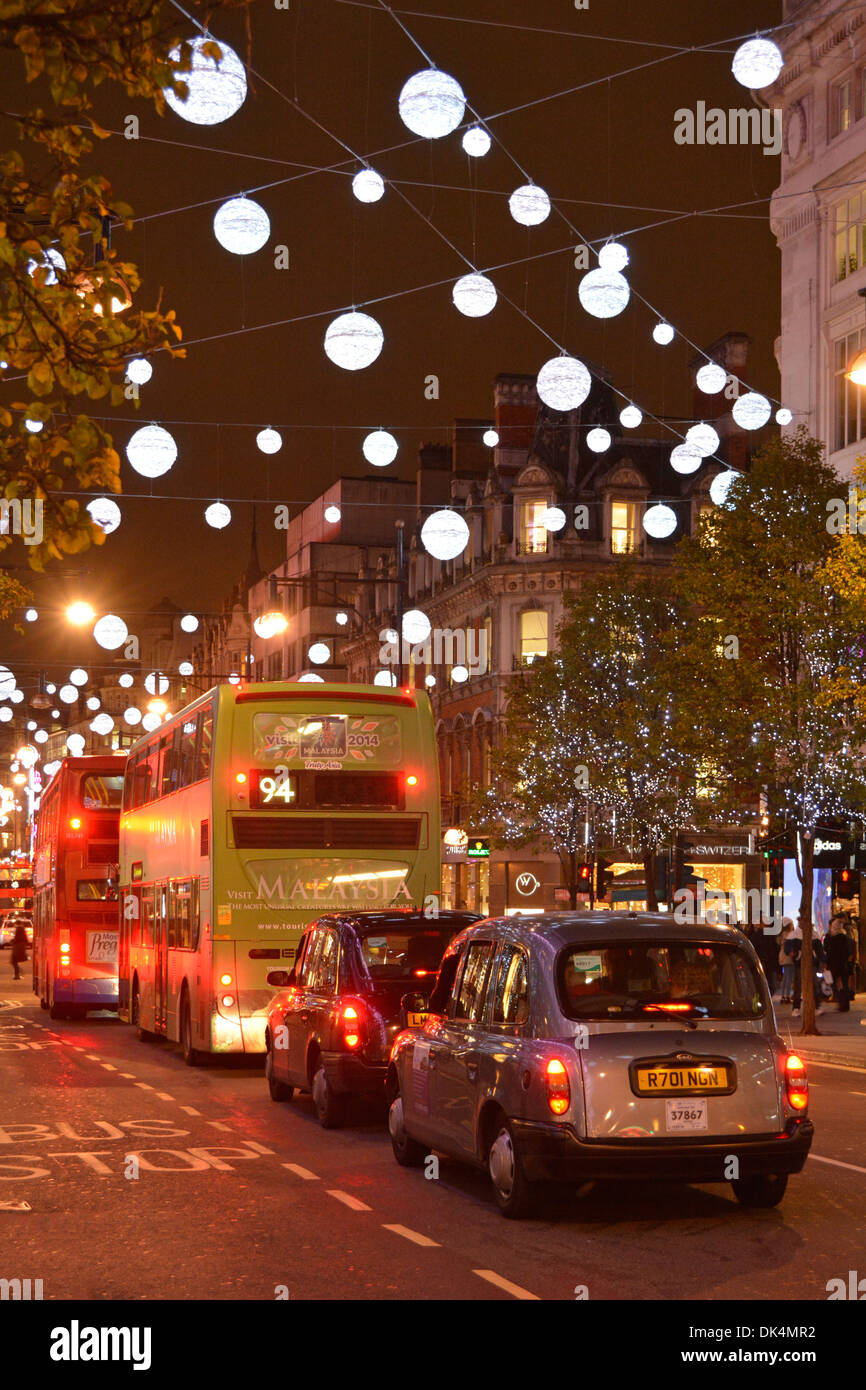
(277,789)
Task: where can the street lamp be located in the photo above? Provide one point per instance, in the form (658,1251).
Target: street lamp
(80,613)
(856,369)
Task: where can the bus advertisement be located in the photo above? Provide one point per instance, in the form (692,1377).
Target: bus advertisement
(75,886)
(246,815)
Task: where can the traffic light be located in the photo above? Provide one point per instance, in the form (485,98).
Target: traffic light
(845,883)
(603,877)
(774,863)
(584,877)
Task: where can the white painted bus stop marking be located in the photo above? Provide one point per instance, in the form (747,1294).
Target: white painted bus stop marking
(301,1172)
(414,1236)
(514,1289)
(348,1200)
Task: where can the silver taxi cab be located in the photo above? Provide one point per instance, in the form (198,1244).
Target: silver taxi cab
(577,1046)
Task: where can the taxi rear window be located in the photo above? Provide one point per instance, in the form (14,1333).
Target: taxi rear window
(406,951)
(675,979)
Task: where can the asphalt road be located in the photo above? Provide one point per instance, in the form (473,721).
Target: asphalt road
(151,1180)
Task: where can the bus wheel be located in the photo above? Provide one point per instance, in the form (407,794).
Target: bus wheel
(58,1012)
(191,1056)
(330,1108)
(135,1016)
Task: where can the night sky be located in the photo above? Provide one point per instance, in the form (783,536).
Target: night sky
(605,154)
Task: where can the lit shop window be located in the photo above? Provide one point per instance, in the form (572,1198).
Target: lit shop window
(623,527)
(533,635)
(533,532)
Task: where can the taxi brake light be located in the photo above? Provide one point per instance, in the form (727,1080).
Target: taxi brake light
(671,1008)
(351,1023)
(558,1087)
(796,1082)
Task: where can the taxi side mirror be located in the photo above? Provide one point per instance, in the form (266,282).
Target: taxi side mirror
(281,978)
(412,1003)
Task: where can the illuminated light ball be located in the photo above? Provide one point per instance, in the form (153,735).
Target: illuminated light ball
(52,260)
(75,744)
(55,714)
(598,440)
(341,619)
(269,441)
(189,623)
(431,104)
(215,89)
(685,458)
(139,370)
(102,724)
(93,702)
(459,674)
(563,383)
(474,296)
(663,334)
(151,721)
(185,668)
(51,768)
(7,682)
(155,683)
(630,417)
(752,410)
(68,694)
(31,615)
(241,226)
(151,451)
(613,256)
(710,378)
(389,634)
(132,715)
(554,518)
(309,676)
(50,689)
(217,515)
(757,63)
(110,632)
(721,485)
(783,417)
(34,426)
(353,341)
(660,521)
(704,438)
(445,535)
(476,141)
(430,681)
(319,653)
(416,626)
(368,186)
(384,678)
(603,293)
(40,736)
(31,724)
(380,448)
(5,714)
(105,514)
(16,697)
(28,756)
(125,680)
(234,678)
(490,438)
(332,515)
(529,205)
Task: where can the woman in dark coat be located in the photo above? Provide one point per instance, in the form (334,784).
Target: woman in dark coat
(19,949)
(838,948)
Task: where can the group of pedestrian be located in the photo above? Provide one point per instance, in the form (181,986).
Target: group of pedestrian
(833,964)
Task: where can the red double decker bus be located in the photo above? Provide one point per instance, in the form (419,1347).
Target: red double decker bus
(75,921)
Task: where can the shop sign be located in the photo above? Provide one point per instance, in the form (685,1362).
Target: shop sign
(524,887)
(715,844)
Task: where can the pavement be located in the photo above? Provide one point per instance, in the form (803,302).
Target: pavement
(842,1039)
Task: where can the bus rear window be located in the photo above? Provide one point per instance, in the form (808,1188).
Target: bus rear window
(101,791)
(95,890)
(327,742)
(663,980)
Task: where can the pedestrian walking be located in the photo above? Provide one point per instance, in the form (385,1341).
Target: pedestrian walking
(840,951)
(794,949)
(766,945)
(786,964)
(19,949)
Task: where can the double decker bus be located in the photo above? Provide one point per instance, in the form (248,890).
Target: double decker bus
(16,886)
(246,815)
(75,880)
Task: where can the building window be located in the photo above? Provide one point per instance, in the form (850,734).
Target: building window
(841,106)
(486,654)
(848,244)
(849,424)
(533,532)
(533,635)
(623,527)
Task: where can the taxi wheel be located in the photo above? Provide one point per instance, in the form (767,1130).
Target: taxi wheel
(407,1151)
(766,1190)
(330,1108)
(515,1195)
(278,1089)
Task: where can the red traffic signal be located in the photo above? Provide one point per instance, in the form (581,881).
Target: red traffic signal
(584,873)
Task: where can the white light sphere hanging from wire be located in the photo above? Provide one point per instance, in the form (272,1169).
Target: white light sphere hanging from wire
(105,514)
(155,683)
(752,410)
(663,333)
(660,521)
(490,438)
(368,186)
(685,458)
(553,518)
(34,426)
(603,293)
(704,438)
(319,653)
(384,678)
(721,485)
(132,715)
(416,626)
(630,417)
(216,89)
(217,515)
(75,744)
(16,697)
(110,632)
(783,417)
(757,63)
(380,448)
(51,260)
(431,104)
(311,678)
(102,724)
(353,341)
(50,688)
(185,668)
(445,534)
(68,694)
(151,721)
(5,714)
(93,702)
(125,680)
(563,383)
(151,451)
(598,440)
(529,205)
(613,256)
(139,371)
(474,296)
(710,378)
(40,736)
(476,141)
(332,515)
(188,623)
(241,226)
(269,441)
(459,674)
(7,682)
(78,676)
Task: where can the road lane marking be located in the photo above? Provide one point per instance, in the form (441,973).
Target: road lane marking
(218,1124)
(857,1093)
(259,1148)
(837,1163)
(414,1236)
(834,1066)
(348,1200)
(106,1066)
(144,1086)
(163,1095)
(77,1049)
(189,1110)
(302,1172)
(91,1057)
(514,1289)
(127,1076)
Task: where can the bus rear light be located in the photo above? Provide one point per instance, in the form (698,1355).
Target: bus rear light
(240,777)
(227,1001)
(225,979)
(64,946)
(64,960)
(796,1082)
(411,780)
(558,1087)
(75,822)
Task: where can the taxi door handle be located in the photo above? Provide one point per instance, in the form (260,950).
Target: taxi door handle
(472,1070)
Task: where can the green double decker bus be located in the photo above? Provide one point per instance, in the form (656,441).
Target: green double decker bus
(245,816)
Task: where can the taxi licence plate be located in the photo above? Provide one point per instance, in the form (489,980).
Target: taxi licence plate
(416,1020)
(704,1079)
